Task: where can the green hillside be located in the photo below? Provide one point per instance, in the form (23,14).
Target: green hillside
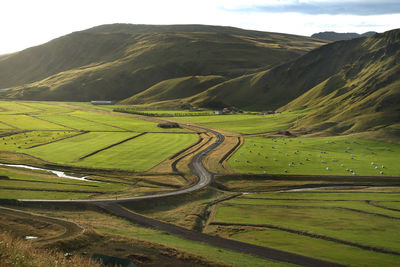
(174,89)
(364,95)
(348,86)
(120,60)
(280,85)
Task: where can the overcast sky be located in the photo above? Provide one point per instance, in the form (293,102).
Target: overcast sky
(25,23)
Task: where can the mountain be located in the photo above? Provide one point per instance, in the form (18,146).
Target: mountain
(337,36)
(362,94)
(346,87)
(118,61)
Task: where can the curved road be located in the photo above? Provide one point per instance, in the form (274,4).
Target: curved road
(204,178)
(196,166)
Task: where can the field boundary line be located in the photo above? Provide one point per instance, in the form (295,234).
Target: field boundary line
(55,123)
(47,182)
(49,190)
(79,133)
(125,130)
(312,235)
(318,207)
(110,146)
(14,133)
(373,203)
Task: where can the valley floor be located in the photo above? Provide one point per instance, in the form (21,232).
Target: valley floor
(310,200)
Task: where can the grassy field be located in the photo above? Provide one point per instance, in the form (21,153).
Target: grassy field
(25,122)
(122,230)
(141,153)
(78,123)
(71,149)
(246,124)
(17,183)
(315,224)
(124,123)
(26,140)
(330,156)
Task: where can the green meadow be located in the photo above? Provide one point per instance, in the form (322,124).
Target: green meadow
(315,224)
(122,123)
(71,149)
(141,153)
(246,123)
(329,156)
(26,140)
(17,183)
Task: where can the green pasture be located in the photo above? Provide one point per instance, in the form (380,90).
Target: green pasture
(25,122)
(78,123)
(362,205)
(390,204)
(141,153)
(13,107)
(47,107)
(328,156)
(217,254)
(17,183)
(316,248)
(25,140)
(352,221)
(71,149)
(123,123)
(246,124)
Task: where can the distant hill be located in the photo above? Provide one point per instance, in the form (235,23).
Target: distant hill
(337,36)
(118,61)
(348,87)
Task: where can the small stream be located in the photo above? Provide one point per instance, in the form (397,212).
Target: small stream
(58,173)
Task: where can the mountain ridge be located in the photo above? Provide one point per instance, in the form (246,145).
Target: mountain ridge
(117,61)
(341,36)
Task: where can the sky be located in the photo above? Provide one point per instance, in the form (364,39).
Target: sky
(26,23)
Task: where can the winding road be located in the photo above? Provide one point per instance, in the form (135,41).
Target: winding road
(115,207)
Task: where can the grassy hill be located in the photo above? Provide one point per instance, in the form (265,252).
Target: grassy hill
(363,95)
(174,89)
(347,86)
(120,60)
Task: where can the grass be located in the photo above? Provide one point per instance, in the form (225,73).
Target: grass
(17,252)
(219,255)
(246,124)
(71,149)
(317,248)
(329,156)
(78,123)
(128,124)
(338,215)
(141,153)
(23,184)
(18,142)
(26,122)
(12,107)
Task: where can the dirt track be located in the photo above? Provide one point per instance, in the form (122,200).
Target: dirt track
(71,229)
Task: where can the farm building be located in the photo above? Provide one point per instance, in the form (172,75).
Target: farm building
(267,112)
(168,125)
